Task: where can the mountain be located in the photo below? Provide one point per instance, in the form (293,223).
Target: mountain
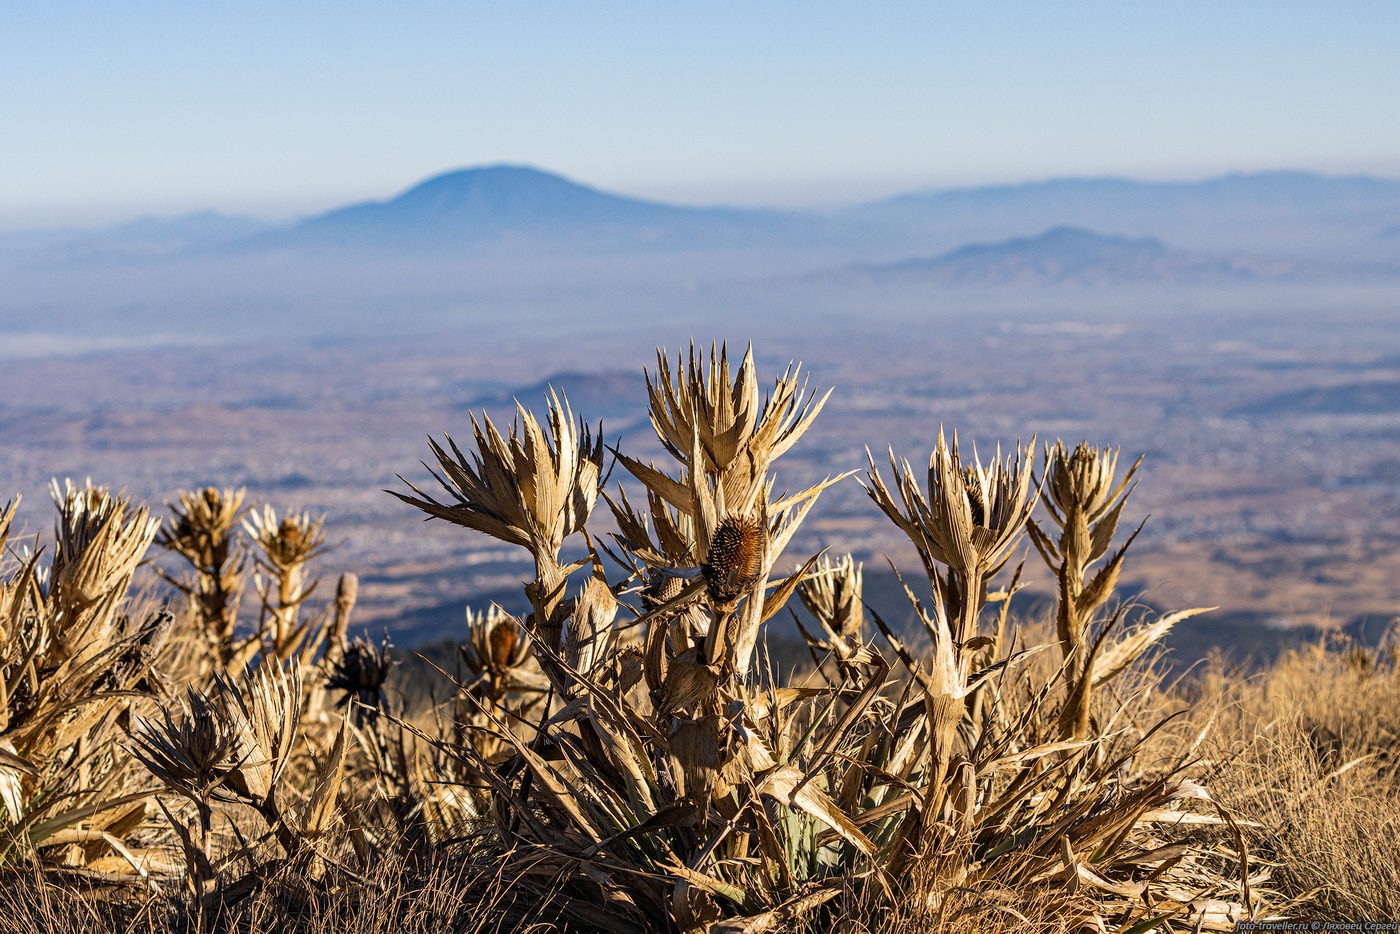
(527,207)
(1238,196)
(144,239)
(614,395)
(1066,254)
(510,210)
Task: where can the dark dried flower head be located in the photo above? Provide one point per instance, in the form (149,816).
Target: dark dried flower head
(503,638)
(975,500)
(661,588)
(194,746)
(735,559)
(361,673)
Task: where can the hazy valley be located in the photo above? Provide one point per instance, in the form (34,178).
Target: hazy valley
(1239,331)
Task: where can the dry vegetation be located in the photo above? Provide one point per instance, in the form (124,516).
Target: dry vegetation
(624,757)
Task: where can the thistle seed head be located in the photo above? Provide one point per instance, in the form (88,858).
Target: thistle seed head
(660,589)
(1081,482)
(494,645)
(735,559)
(288,542)
(361,674)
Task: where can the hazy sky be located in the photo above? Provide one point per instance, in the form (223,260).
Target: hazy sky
(110,108)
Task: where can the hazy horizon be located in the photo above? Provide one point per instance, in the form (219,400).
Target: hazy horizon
(160,108)
(271,211)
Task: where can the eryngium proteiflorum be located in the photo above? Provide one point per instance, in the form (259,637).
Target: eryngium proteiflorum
(734,560)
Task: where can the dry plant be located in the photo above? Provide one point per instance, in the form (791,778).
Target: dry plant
(1086,505)
(203,531)
(621,758)
(71,664)
(666,785)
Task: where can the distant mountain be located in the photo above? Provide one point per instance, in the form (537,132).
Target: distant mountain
(1066,254)
(525,212)
(1237,197)
(144,239)
(528,207)
(613,395)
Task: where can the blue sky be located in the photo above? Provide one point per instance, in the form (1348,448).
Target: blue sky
(114,109)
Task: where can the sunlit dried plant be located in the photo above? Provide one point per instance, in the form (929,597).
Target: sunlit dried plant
(1085,504)
(285,547)
(833,595)
(203,533)
(524,488)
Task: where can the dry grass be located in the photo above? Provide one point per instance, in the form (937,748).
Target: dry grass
(1311,751)
(618,758)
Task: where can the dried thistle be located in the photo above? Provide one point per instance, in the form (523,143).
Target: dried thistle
(195,746)
(496,653)
(287,543)
(99,541)
(730,419)
(832,594)
(203,534)
(285,546)
(1086,503)
(972,516)
(525,488)
(361,673)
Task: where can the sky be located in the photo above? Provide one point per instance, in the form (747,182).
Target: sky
(113,110)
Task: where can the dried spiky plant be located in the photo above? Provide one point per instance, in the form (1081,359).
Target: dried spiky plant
(98,542)
(964,530)
(360,673)
(723,496)
(522,488)
(633,782)
(732,424)
(347,592)
(203,533)
(1086,504)
(526,489)
(74,660)
(832,594)
(285,546)
(231,745)
(496,655)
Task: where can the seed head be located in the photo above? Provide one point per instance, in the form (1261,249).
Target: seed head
(735,559)
(361,673)
(660,589)
(493,645)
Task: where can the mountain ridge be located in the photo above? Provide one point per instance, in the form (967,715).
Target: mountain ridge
(510,208)
(1068,254)
(503,201)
